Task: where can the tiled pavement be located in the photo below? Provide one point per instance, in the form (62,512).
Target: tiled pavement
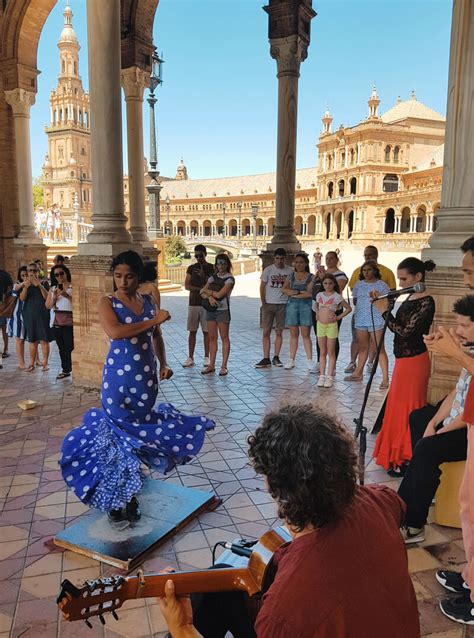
(35,505)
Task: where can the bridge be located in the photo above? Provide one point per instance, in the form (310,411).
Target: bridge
(217,243)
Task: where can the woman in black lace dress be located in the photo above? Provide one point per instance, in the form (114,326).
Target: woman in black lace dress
(412,365)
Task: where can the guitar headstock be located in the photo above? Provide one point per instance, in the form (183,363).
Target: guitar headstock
(94,598)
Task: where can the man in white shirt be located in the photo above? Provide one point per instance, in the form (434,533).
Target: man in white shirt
(273,306)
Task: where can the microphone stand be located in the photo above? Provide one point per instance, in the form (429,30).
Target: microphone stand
(361,429)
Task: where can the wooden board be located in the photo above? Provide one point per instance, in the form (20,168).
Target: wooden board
(165,507)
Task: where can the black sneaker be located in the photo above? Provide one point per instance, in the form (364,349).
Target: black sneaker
(276,361)
(460,609)
(264,363)
(133,511)
(413,534)
(452,581)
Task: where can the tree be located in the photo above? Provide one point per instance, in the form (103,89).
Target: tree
(38,194)
(174,246)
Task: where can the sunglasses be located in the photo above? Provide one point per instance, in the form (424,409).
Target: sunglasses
(221,262)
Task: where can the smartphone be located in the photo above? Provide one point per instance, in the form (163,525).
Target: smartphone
(60,286)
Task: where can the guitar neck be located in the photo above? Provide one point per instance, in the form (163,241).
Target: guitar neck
(185,583)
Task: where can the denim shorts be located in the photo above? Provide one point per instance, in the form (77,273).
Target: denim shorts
(298,313)
(221,316)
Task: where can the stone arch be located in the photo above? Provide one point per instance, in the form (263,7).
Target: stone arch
(421,219)
(350,224)
(389,225)
(330,189)
(271,226)
(206,228)
(219,227)
(298,225)
(338,223)
(181,227)
(194,227)
(233,227)
(328,225)
(353,185)
(246,227)
(341,188)
(259,226)
(312,225)
(405,220)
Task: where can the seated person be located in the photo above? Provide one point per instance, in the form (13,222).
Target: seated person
(438,435)
(345,573)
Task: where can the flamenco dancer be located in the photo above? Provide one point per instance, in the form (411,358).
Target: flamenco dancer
(101,459)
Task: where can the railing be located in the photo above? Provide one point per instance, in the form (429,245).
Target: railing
(176,274)
(84,230)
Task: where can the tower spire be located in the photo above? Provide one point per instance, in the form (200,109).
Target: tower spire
(373,103)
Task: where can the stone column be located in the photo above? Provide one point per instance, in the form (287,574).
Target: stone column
(456,214)
(134,81)
(289,35)
(21,101)
(109,235)
(398,222)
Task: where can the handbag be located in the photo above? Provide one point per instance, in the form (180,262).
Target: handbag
(63,318)
(216,285)
(7,306)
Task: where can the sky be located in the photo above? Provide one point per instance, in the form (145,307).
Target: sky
(217,106)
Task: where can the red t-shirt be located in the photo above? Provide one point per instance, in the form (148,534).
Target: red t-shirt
(468,414)
(345,580)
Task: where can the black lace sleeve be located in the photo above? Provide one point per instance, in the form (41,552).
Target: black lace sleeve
(412,321)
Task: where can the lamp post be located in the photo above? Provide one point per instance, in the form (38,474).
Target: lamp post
(223,219)
(239,227)
(154,188)
(167,200)
(254,215)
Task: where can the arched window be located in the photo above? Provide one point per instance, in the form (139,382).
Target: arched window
(350,224)
(389,226)
(353,185)
(341,187)
(330,190)
(352,155)
(75,68)
(64,67)
(388,148)
(328,226)
(396,154)
(390,183)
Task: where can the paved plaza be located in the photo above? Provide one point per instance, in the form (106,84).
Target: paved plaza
(35,504)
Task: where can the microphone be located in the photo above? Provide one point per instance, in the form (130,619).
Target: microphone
(241,547)
(418,287)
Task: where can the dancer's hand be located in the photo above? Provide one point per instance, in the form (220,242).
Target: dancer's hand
(178,613)
(162,316)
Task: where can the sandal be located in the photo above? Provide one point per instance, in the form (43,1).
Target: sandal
(5,355)
(132,510)
(30,369)
(45,368)
(208,370)
(63,375)
(384,385)
(223,372)
(353,378)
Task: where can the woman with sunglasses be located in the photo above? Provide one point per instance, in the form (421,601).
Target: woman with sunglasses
(217,293)
(36,316)
(59,301)
(16,328)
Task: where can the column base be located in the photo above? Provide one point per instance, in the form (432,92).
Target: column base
(92,278)
(286,240)
(24,252)
(445,285)
(454,227)
(106,249)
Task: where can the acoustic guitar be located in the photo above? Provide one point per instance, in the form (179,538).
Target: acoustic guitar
(104,595)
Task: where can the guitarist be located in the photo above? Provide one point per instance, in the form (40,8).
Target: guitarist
(345,574)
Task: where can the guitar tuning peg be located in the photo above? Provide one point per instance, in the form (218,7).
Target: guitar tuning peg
(114,614)
(89,624)
(102,619)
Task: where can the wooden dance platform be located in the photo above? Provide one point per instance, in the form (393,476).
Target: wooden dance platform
(165,508)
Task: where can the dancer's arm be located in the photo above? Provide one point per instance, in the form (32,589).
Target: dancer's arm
(116,330)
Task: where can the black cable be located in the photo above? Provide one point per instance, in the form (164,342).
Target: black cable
(218,544)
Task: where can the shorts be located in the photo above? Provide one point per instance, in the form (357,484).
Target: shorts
(298,313)
(196,316)
(273,312)
(370,328)
(221,316)
(328,330)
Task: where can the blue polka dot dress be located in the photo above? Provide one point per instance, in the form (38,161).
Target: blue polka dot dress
(101,459)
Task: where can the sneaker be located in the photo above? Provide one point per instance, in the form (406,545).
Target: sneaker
(350,368)
(328,382)
(313,368)
(413,534)
(132,510)
(452,581)
(321,381)
(207,362)
(369,366)
(276,361)
(290,364)
(460,609)
(115,515)
(264,363)
(188,363)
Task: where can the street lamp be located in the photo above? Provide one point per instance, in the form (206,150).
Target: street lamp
(239,227)
(223,219)
(154,188)
(254,215)
(167,200)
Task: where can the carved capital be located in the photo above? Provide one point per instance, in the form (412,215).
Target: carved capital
(20,101)
(289,53)
(134,82)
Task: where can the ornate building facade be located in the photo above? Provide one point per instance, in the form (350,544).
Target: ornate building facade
(66,173)
(378,181)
